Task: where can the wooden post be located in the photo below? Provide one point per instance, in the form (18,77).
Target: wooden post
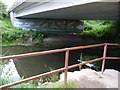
(66,68)
(104,57)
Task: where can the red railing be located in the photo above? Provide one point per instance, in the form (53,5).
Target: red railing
(66,62)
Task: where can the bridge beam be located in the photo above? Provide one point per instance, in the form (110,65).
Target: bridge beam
(67,9)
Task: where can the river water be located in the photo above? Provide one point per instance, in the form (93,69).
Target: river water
(34,65)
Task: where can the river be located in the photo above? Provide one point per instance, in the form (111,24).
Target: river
(34,65)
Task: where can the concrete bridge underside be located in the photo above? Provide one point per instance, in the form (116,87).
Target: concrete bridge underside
(69,9)
(88,11)
(72,10)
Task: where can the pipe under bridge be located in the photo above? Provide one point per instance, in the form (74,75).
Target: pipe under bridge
(61,15)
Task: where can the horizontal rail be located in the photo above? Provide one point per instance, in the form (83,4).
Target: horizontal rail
(76,65)
(48,73)
(112,58)
(31,54)
(112,44)
(48,52)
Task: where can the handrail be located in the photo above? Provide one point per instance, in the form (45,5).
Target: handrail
(66,62)
(48,73)
(48,52)
(113,44)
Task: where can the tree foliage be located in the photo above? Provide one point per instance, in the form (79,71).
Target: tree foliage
(3,12)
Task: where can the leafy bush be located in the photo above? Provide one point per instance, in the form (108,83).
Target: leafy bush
(11,34)
(106,29)
(36,34)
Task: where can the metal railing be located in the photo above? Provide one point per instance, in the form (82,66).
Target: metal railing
(67,50)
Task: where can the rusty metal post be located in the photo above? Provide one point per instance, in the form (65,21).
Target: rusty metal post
(66,68)
(104,57)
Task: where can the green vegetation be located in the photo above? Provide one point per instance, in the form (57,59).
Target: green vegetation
(88,58)
(3,13)
(4,81)
(108,30)
(37,82)
(53,77)
(11,35)
(50,78)
(23,85)
(31,84)
(69,85)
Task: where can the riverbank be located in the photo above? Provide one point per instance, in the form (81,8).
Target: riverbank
(12,36)
(56,40)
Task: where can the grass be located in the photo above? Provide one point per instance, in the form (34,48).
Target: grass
(69,85)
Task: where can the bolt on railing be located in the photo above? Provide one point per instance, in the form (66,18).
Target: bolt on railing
(66,62)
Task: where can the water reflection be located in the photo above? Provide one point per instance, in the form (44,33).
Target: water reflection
(9,71)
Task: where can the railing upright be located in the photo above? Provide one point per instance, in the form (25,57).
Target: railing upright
(104,57)
(66,67)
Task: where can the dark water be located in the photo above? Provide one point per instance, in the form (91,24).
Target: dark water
(35,65)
